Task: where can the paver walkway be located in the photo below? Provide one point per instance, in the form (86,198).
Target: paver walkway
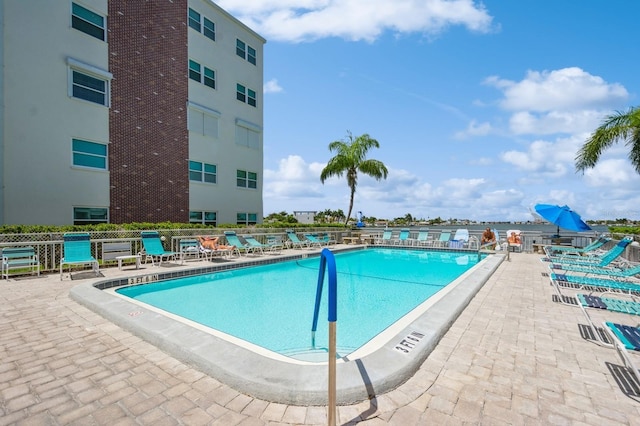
(513,357)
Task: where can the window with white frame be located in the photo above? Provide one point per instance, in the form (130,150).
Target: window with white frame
(202,74)
(245,51)
(94,24)
(89,83)
(89,154)
(202,25)
(245,179)
(90,215)
(244,218)
(205,218)
(247,134)
(203,120)
(203,172)
(246,95)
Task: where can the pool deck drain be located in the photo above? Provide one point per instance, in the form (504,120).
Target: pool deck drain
(512,357)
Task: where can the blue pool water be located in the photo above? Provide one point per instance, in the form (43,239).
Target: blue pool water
(272,306)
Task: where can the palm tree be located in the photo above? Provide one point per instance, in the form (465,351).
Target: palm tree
(619,126)
(351,158)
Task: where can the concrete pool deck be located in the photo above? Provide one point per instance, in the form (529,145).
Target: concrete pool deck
(512,357)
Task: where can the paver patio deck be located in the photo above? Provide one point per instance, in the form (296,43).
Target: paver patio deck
(513,357)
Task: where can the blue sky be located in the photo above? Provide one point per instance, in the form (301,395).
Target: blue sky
(479,107)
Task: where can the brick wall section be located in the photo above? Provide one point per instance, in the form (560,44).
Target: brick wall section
(149,146)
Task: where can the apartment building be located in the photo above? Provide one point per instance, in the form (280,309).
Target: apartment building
(125,111)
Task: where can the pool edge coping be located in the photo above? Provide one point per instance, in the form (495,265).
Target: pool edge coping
(247,372)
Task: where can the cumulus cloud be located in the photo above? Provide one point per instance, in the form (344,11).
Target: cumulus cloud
(567,100)
(307,20)
(474,129)
(272,86)
(612,173)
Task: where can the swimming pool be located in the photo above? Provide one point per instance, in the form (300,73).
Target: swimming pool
(272,306)
(379,366)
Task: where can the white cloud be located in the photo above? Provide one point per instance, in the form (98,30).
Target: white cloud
(305,20)
(272,86)
(567,89)
(612,173)
(474,129)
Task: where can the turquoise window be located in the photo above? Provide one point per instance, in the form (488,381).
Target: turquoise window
(88,22)
(89,154)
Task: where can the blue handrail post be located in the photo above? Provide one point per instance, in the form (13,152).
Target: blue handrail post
(328,261)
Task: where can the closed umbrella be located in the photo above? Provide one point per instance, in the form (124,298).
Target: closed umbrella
(562,217)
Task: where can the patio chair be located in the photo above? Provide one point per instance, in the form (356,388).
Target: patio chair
(462,237)
(514,240)
(256,245)
(578,282)
(625,338)
(189,248)
(153,249)
(385,238)
(402,238)
(209,247)
(422,239)
(605,259)
(294,241)
(234,240)
(313,240)
(443,240)
(551,250)
(77,251)
(612,272)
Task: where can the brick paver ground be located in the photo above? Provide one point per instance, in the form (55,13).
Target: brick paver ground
(513,357)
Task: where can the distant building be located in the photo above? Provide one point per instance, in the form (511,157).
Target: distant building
(129,111)
(306,217)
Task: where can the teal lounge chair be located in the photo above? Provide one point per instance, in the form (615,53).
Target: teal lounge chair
(600,284)
(294,241)
(443,240)
(560,250)
(604,260)
(77,251)
(256,245)
(153,249)
(629,272)
(313,240)
(422,239)
(386,237)
(234,240)
(625,338)
(403,237)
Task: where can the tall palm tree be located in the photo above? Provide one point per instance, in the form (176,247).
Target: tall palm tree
(619,126)
(351,158)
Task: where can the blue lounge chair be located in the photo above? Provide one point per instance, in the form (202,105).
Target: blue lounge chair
(403,237)
(152,245)
(582,282)
(559,250)
(234,240)
(77,251)
(386,237)
(257,245)
(625,338)
(314,241)
(422,239)
(629,272)
(604,260)
(294,241)
(443,240)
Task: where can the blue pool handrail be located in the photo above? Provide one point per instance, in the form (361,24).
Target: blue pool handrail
(327,261)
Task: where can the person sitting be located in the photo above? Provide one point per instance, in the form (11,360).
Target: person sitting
(514,239)
(212,244)
(487,238)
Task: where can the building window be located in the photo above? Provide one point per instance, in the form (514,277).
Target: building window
(202,24)
(90,215)
(246,179)
(205,218)
(246,95)
(202,74)
(88,22)
(246,218)
(194,20)
(89,83)
(203,121)
(89,88)
(247,134)
(245,51)
(202,172)
(89,154)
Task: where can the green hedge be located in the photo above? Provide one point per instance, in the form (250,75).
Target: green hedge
(36,229)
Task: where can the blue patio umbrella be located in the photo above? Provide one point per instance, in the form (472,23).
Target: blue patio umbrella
(562,217)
